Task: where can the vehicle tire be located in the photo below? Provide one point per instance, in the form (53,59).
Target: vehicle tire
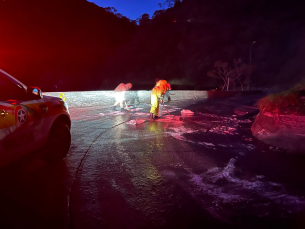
(58,143)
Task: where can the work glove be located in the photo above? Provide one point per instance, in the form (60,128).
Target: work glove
(160,99)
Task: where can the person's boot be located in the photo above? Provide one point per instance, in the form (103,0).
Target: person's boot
(156,117)
(151,116)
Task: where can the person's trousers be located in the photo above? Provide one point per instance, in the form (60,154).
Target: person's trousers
(154,104)
(119,98)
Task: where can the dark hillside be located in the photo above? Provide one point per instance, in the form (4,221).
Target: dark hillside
(183,43)
(76,45)
(59,43)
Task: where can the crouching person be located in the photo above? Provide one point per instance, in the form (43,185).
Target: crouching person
(156,95)
(119,95)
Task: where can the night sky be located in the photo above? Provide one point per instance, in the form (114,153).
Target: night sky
(131,9)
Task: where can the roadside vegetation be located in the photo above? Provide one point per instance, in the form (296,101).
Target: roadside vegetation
(290,102)
(234,76)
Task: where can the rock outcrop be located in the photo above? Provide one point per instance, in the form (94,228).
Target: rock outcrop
(283,131)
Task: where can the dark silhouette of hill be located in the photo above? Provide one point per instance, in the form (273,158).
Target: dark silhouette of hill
(59,43)
(185,41)
(76,45)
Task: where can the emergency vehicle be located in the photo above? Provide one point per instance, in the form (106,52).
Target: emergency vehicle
(31,122)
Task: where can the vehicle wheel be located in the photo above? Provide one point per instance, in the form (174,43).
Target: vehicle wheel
(58,143)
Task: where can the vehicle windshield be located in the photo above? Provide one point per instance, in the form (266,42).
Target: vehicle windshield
(11,78)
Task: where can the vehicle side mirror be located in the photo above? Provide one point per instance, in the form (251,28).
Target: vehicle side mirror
(34,92)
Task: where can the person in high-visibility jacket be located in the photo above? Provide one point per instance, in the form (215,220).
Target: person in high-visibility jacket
(167,92)
(157,95)
(119,95)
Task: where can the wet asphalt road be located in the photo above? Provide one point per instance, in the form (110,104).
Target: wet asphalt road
(199,171)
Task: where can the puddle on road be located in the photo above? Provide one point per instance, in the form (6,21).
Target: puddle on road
(173,123)
(225,191)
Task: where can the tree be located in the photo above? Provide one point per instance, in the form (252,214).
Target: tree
(111,9)
(157,13)
(168,4)
(238,73)
(231,75)
(144,19)
(221,71)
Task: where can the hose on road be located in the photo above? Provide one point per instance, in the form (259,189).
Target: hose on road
(77,170)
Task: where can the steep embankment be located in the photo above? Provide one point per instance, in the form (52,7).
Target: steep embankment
(59,44)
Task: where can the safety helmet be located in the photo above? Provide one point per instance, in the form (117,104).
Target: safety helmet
(161,82)
(129,85)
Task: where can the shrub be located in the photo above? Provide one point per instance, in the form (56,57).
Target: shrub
(287,102)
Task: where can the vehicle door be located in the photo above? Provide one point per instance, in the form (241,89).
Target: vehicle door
(15,136)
